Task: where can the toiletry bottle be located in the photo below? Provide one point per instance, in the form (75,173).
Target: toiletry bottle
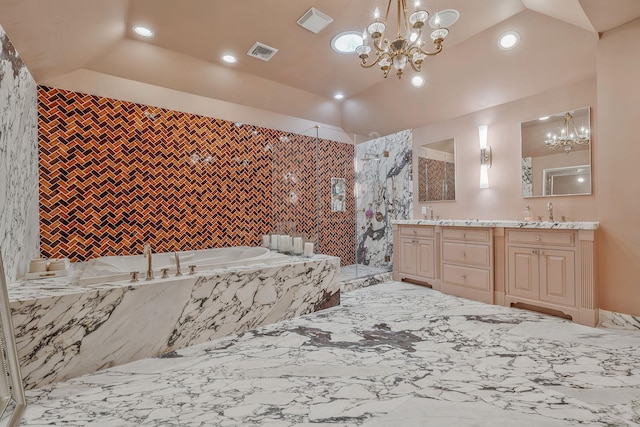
(528,216)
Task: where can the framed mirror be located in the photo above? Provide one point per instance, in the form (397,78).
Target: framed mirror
(12,399)
(436,171)
(556,154)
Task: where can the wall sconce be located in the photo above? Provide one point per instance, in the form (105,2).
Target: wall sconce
(485,156)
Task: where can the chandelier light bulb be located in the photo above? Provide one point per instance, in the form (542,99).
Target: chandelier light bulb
(376,14)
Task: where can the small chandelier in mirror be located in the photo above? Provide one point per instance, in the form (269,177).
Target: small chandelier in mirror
(569,136)
(407,47)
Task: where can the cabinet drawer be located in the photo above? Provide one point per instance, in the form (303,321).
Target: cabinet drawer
(476,278)
(466,234)
(465,253)
(425,231)
(558,238)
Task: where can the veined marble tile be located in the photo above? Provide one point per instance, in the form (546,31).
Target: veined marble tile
(610,319)
(19,228)
(507,223)
(384,192)
(64,330)
(391,354)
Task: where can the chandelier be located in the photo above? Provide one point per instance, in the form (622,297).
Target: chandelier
(407,47)
(569,136)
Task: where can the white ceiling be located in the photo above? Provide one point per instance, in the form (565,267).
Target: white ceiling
(558,47)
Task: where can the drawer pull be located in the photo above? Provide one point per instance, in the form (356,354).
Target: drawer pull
(538,238)
(540,252)
(463,276)
(463,254)
(463,235)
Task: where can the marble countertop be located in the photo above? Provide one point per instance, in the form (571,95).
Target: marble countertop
(506,223)
(22,290)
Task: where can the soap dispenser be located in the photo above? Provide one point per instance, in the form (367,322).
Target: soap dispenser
(528,215)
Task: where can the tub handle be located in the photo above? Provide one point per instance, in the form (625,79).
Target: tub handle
(165,272)
(134,276)
(192,269)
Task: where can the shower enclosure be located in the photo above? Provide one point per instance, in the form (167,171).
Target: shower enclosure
(309,173)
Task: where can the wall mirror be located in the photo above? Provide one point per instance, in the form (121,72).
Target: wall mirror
(556,154)
(436,171)
(12,399)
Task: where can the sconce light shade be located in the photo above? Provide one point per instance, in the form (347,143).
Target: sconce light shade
(482,134)
(484,176)
(485,156)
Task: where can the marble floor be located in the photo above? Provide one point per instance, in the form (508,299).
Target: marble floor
(392,354)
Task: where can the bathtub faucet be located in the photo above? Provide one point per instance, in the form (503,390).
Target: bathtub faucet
(147,254)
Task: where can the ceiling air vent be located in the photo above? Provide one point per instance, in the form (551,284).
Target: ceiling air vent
(262,51)
(314,20)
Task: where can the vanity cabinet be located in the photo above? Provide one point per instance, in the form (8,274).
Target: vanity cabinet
(416,255)
(528,265)
(551,269)
(467,263)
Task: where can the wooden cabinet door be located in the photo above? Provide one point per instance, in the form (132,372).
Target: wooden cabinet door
(523,272)
(557,276)
(407,258)
(425,263)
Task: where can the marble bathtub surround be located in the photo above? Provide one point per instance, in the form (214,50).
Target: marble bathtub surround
(391,355)
(19,236)
(383,194)
(64,330)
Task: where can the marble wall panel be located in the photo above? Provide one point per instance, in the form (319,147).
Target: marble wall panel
(527,177)
(19,238)
(383,194)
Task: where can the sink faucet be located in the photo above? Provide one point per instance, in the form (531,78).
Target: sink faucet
(147,254)
(550,210)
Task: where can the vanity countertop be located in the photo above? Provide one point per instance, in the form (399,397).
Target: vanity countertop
(506,223)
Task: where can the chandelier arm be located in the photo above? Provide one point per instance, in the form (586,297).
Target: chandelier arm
(437,51)
(364,64)
(379,49)
(405,13)
(386,17)
(416,68)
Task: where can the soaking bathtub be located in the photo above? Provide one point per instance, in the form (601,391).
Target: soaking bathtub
(119,268)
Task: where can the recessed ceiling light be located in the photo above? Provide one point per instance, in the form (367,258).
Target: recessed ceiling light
(417,81)
(346,42)
(338,96)
(508,40)
(444,19)
(229,59)
(143,31)
(544,118)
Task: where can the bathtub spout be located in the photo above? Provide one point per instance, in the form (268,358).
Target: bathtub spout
(148,254)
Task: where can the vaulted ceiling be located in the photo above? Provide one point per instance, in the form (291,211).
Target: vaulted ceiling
(59,38)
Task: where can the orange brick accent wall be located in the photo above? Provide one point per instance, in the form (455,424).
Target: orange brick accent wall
(115,175)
